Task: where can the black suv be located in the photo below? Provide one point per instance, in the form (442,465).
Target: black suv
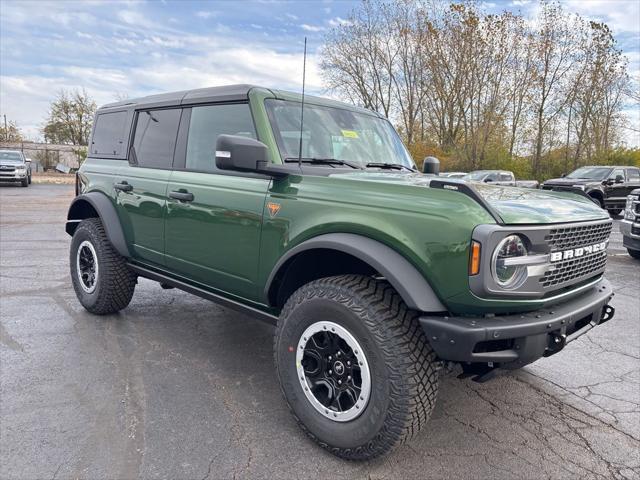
(608,185)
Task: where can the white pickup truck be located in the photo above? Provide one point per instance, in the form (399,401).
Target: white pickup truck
(499,177)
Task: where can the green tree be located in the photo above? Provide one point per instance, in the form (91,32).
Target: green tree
(70,118)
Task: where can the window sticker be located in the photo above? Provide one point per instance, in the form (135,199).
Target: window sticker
(349,133)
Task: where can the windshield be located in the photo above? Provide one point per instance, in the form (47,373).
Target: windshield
(10,157)
(335,133)
(477,175)
(590,173)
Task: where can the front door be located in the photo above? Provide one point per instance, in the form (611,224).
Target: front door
(214,218)
(141,186)
(616,191)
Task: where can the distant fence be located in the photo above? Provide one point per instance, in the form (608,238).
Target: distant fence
(45,156)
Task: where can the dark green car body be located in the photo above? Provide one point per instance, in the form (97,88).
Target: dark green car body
(240,236)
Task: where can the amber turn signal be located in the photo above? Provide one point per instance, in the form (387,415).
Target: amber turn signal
(474,259)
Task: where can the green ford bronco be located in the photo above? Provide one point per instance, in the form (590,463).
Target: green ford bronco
(374,273)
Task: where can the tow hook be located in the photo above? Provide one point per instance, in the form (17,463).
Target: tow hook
(557,341)
(607,313)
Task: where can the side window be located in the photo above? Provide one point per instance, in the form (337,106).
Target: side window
(155,137)
(109,134)
(505,177)
(206,124)
(633,175)
(617,172)
(492,177)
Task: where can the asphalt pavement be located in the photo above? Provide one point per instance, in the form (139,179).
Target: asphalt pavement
(177,387)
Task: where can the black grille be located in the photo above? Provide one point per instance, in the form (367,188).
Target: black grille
(574,269)
(6,169)
(578,236)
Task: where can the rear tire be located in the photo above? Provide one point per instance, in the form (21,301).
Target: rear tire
(25,182)
(401,366)
(101,279)
(634,253)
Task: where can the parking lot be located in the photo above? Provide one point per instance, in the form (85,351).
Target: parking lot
(178,387)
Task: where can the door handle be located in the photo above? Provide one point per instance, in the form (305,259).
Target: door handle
(123,186)
(182,196)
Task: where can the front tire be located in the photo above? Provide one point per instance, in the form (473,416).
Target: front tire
(24,182)
(614,212)
(101,279)
(634,253)
(392,369)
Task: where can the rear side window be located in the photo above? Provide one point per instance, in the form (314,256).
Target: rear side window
(633,174)
(206,124)
(109,134)
(505,177)
(155,137)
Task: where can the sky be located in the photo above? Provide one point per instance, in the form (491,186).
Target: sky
(134,48)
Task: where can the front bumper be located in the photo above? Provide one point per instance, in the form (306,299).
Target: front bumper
(9,177)
(630,239)
(512,341)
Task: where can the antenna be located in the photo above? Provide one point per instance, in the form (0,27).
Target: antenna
(304,68)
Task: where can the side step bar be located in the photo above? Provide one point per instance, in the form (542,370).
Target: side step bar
(167,281)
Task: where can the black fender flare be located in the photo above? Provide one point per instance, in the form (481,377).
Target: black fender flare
(105,209)
(399,272)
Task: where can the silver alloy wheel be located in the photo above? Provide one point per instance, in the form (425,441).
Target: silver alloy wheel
(333,371)
(87,266)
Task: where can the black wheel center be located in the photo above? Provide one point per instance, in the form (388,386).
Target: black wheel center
(332,371)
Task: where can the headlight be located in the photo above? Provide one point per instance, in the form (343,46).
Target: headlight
(581,187)
(507,274)
(21,167)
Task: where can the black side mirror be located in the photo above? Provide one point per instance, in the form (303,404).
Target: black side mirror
(619,179)
(243,154)
(488,180)
(563,175)
(234,152)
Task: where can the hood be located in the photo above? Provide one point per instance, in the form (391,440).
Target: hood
(529,206)
(570,181)
(514,205)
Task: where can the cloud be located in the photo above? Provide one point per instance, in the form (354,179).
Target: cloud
(334,22)
(206,14)
(291,16)
(311,28)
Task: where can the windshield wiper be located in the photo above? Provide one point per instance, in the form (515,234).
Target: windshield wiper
(323,161)
(390,166)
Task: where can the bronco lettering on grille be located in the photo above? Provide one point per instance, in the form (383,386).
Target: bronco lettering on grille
(578,252)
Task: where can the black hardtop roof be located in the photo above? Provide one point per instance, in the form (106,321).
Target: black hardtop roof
(227,93)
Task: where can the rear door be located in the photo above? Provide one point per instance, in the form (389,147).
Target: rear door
(141,186)
(214,218)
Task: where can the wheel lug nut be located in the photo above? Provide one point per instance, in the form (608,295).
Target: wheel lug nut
(330,372)
(339,382)
(348,377)
(329,357)
(349,363)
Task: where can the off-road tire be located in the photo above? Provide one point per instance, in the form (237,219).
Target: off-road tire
(404,374)
(25,182)
(614,212)
(634,253)
(115,282)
